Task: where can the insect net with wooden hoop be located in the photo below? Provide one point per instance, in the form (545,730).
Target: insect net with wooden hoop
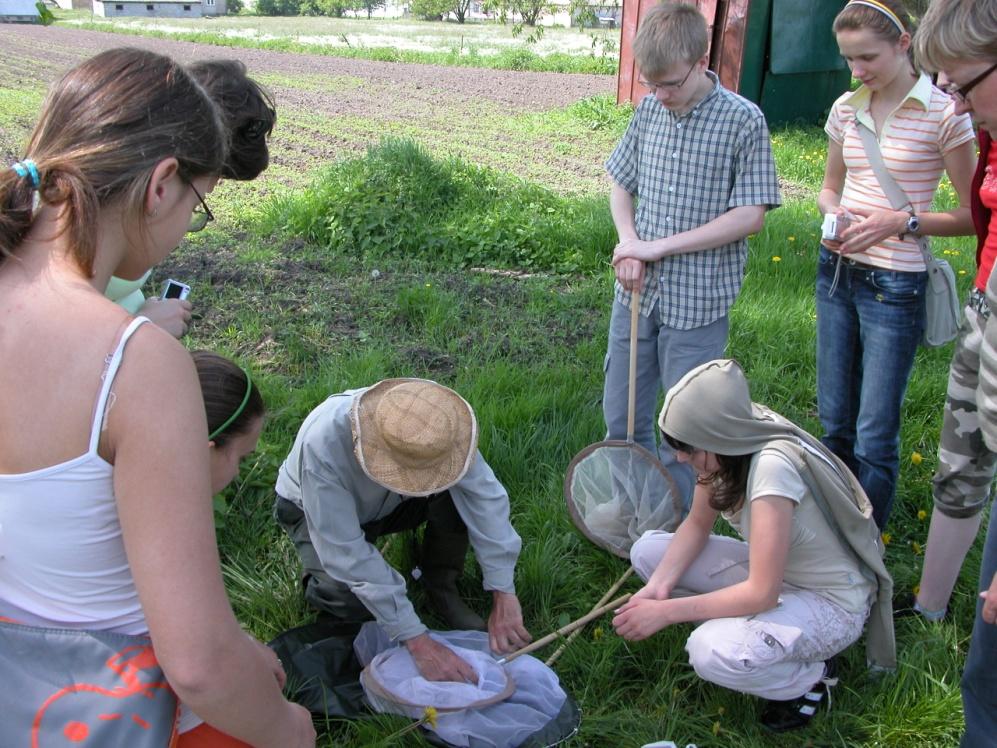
(616,490)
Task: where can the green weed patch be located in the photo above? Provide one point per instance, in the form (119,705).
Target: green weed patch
(399,202)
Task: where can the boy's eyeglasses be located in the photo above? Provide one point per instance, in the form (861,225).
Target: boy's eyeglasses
(202,213)
(668,85)
(962,92)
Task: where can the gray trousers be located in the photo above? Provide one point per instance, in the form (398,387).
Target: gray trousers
(444,545)
(664,356)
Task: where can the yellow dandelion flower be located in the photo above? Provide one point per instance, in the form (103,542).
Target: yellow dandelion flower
(597,633)
(791,238)
(721,710)
(916,590)
(922,515)
(916,547)
(430,716)
(716,728)
(776,258)
(962,272)
(429,285)
(916,458)
(886,538)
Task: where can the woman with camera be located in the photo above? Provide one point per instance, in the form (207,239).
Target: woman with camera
(871,277)
(106,522)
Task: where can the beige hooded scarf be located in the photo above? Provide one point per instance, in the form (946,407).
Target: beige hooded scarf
(710,408)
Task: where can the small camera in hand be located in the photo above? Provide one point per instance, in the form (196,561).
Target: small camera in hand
(834,226)
(175,290)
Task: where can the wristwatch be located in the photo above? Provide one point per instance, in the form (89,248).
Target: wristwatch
(913,225)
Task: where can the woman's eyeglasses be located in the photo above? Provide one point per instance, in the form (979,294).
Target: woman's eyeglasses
(202,213)
(962,92)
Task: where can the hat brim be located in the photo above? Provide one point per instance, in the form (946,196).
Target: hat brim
(378,461)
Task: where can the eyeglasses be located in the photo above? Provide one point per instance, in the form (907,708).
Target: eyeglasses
(962,92)
(668,85)
(202,213)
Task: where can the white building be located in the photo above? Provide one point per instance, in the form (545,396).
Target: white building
(18,11)
(148,8)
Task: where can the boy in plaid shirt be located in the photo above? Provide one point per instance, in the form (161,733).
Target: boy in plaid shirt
(698,160)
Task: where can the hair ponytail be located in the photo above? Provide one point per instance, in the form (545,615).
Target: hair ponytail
(103,129)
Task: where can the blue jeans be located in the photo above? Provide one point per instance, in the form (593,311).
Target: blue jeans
(979,680)
(664,356)
(868,331)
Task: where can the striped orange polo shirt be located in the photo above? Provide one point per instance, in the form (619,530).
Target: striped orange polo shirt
(914,140)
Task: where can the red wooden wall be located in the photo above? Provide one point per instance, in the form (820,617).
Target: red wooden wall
(727,24)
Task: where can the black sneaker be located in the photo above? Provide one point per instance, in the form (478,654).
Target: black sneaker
(783,716)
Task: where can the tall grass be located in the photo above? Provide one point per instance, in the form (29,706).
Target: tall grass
(398,201)
(367,274)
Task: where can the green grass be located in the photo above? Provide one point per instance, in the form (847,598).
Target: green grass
(314,314)
(314,308)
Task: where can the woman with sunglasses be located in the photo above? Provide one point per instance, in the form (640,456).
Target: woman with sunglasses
(106,522)
(871,280)
(958,39)
(776,607)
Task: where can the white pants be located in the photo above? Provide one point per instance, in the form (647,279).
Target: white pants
(778,654)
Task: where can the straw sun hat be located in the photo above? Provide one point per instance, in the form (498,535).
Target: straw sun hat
(413,436)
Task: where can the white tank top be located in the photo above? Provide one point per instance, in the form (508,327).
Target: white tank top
(62,559)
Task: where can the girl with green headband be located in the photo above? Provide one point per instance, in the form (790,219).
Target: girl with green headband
(234,408)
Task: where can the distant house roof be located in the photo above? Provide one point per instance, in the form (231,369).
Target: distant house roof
(18,9)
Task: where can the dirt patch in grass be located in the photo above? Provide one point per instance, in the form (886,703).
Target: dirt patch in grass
(440,105)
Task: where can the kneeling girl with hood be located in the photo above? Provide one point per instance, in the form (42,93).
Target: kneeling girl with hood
(777,606)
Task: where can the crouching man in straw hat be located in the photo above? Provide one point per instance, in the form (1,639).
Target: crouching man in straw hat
(375,461)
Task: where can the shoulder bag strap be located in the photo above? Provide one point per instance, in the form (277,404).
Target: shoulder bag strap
(893,191)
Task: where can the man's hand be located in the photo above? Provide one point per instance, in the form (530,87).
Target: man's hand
(506,632)
(173,315)
(630,273)
(990,602)
(641,617)
(437,662)
(636,249)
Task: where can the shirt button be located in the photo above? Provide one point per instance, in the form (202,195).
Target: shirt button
(678,126)
(668,219)
(671,189)
(675,154)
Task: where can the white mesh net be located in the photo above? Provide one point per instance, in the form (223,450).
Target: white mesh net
(508,706)
(616,491)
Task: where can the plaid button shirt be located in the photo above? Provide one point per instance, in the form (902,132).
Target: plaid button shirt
(686,171)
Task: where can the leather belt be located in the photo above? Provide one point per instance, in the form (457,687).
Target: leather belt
(846,260)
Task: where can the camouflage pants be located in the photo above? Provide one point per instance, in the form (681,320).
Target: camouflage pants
(965,465)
